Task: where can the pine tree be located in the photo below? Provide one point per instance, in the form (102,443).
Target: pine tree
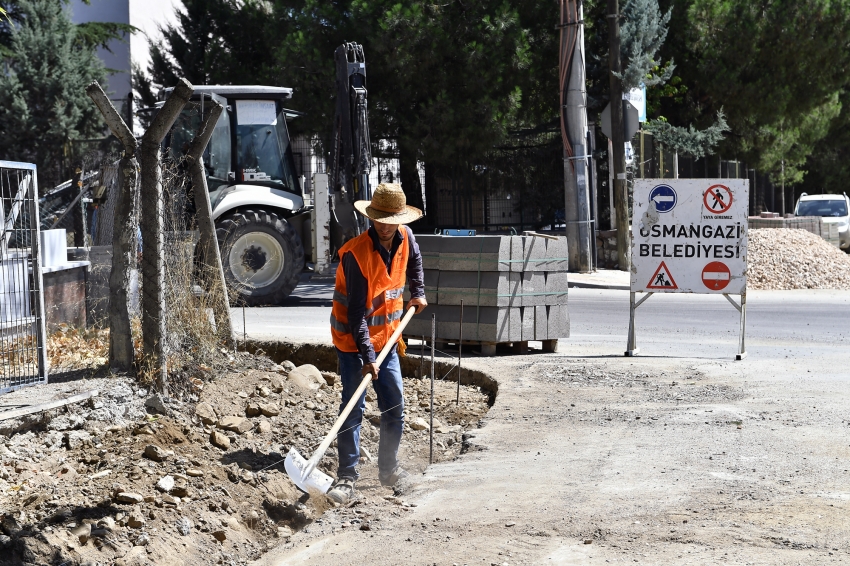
(43,104)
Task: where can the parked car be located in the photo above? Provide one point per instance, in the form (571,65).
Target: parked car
(834,209)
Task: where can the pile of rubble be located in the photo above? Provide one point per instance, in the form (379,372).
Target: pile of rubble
(781,258)
(130,478)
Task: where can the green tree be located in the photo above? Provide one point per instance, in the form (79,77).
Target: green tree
(43,105)
(773,66)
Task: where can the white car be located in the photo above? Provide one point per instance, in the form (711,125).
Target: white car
(834,209)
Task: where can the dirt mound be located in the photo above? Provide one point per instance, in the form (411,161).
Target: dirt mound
(782,258)
(106,482)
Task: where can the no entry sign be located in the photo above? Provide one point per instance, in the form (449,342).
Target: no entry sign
(690,236)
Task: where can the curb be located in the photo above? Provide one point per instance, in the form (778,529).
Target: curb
(584,285)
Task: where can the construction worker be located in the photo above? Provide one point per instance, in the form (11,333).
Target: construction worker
(367,308)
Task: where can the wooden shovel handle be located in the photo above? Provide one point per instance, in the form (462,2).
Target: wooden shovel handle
(320,451)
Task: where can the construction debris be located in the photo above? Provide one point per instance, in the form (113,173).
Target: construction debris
(107,482)
(783,258)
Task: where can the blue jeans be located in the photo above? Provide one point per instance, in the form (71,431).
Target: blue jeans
(390,393)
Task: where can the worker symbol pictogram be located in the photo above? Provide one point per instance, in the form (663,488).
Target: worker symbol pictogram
(662,279)
(716,276)
(664,197)
(717,199)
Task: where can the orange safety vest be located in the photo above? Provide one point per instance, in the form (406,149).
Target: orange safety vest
(385,304)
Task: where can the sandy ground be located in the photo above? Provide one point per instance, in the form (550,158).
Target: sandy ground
(600,460)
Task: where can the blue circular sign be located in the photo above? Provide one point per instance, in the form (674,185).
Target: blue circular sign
(664,198)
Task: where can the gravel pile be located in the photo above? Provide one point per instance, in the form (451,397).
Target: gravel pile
(782,258)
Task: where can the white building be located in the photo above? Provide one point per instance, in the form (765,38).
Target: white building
(147,15)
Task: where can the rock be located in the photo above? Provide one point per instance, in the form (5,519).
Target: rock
(284,532)
(155,404)
(364,453)
(233,523)
(142,540)
(206,413)
(510,523)
(253,410)
(155,453)
(242,394)
(264,426)
(220,536)
(276,384)
(309,405)
(365,526)
(419,424)
(136,556)
(181,491)
(194,473)
(220,440)
(184,526)
(269,410)
(287,366)
(165,483)
(83,532)
(264,391)
(129,497)
(135,520)
(330,378)
(307,377)
(170,499)
(76,438)
(235,424)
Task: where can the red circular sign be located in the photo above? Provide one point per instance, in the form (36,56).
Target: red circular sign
(715,276)
(717,199)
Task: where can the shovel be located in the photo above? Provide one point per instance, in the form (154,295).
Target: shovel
(303,472)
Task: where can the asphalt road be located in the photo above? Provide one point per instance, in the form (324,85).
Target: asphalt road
(780,324)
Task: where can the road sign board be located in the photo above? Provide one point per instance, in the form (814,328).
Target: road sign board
(631,120)
(662,279)
(690,228)
(664,197)
(716,276)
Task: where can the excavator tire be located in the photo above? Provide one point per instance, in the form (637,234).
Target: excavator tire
(262,256)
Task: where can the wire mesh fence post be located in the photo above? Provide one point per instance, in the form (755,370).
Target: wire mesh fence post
(152,225)
(212,273)
(124,235)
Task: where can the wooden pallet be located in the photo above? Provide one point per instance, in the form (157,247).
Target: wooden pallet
(489,348)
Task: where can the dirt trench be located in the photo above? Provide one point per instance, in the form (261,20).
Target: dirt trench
(201,480)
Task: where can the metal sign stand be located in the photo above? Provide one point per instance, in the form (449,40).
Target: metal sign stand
(633,350)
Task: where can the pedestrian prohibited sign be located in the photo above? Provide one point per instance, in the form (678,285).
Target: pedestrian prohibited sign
(662,279)
(716,276)
(664,198)
(718,199)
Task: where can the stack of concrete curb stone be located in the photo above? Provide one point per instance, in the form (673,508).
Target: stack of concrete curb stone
(513,288)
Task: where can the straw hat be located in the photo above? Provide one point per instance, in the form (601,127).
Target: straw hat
(388,205)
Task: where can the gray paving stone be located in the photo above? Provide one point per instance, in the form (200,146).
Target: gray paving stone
(477,253)
(533,288)
(541,322)
(559,322)
(486,288)
(534,254)
(557,288)
(557,255)
(528,323)
(429,247)
(432,278)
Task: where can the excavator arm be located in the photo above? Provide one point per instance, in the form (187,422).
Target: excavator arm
(350,156)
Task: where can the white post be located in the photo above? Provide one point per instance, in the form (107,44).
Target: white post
(321,228)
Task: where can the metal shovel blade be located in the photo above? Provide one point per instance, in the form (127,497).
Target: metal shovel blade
(316,481)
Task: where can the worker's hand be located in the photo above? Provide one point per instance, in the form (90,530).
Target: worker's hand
(370,368)
(419,303)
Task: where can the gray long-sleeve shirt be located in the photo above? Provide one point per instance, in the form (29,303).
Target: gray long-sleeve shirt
(357,286)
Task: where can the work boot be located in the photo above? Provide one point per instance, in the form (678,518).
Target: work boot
(342,491)
(397,475)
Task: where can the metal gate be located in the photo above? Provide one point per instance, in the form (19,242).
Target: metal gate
(23,339)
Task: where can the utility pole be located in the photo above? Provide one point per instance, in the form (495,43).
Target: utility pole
(621,195)
(580,233)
